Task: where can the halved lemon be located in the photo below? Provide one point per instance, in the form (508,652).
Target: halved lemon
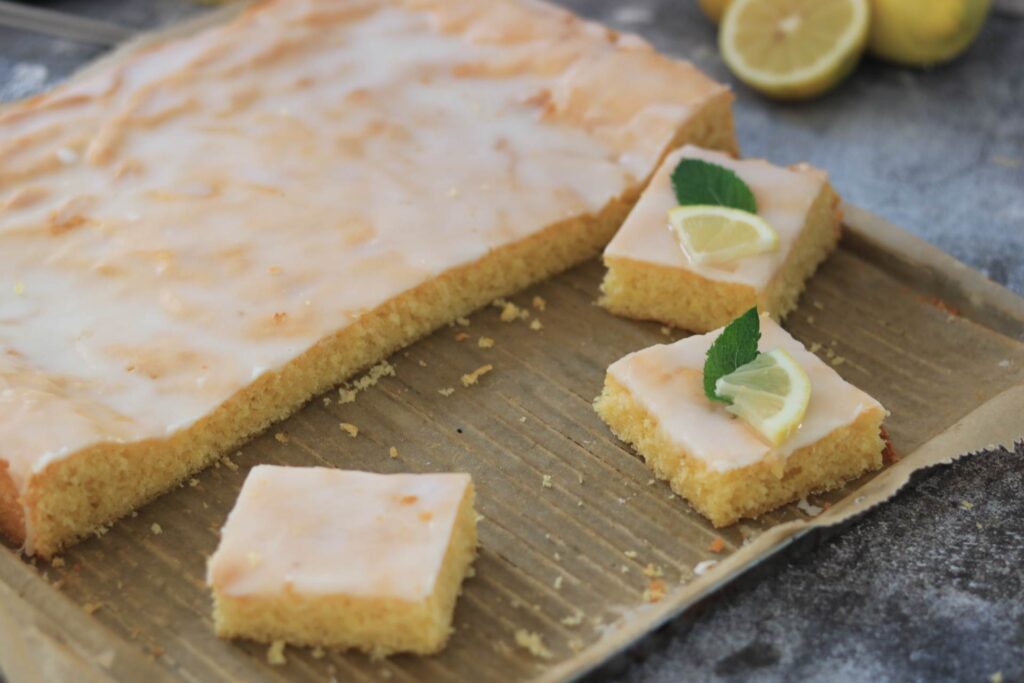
(717,234)
(793,49)
(770,393)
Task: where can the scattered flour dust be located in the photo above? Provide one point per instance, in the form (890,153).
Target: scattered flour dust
(25,79)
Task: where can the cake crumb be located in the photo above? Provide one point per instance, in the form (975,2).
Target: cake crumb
(57,562)
(275,653)
(532,643)
(575,644)
(666,330)
(462,321)
(558,582)
(545,481)
(651,482)
(193,482)
(966,505)
(536,325)
(447,391)
(623,569)
(318,652)
(573,620)
(817,304)
(654,591)
(327,400)
(523,419)
(349,429)
(631,554)
(472,378)
(539,303)
(392,452)
(653,571)
(156,529)
(91,607)
(281,437)
(348,392)
(485,342)
(808,509)
(461,337)
(704,567)
(717,544)
(229,463)
(837,361)
(814,347)
(422,363)
(997,677)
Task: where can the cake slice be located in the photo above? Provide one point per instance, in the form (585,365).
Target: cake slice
(201,234)
(654,399)
(651,277)
(331,558)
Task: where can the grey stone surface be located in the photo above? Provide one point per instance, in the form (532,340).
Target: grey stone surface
(922,588)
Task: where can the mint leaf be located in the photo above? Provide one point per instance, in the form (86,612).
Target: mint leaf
(735,346)
(701,182)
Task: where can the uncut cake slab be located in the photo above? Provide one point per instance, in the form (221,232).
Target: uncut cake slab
(200,236)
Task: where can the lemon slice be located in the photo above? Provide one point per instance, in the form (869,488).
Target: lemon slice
(793,49)
(770,392)
(717,234)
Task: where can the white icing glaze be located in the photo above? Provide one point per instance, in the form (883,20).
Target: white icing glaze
(783,197)
(667,380)
(176,224)
(319,531)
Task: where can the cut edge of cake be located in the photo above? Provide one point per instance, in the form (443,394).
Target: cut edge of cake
(726,497)
(377,626)
(648,291)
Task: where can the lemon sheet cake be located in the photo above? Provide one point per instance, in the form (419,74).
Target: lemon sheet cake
(201,234)
(654,399)
(332,558)
(650,276)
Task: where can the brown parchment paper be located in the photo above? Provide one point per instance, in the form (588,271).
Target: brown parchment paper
(937,343)
(566,561)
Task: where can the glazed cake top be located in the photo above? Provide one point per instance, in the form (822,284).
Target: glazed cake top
(176,223)
(784,198)
(316,530)
(667,380)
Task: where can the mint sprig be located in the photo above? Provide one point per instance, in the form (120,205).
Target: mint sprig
(701,182)
(736,346)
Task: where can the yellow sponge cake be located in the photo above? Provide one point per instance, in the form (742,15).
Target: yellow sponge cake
(654,400)
(651,277)
(322,557)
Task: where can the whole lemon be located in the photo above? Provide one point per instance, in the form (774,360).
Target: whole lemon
(714,8)
(924,32)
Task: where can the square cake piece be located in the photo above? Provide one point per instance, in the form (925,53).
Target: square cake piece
(204,231)
(332,558)
(654,399)
(651,277)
